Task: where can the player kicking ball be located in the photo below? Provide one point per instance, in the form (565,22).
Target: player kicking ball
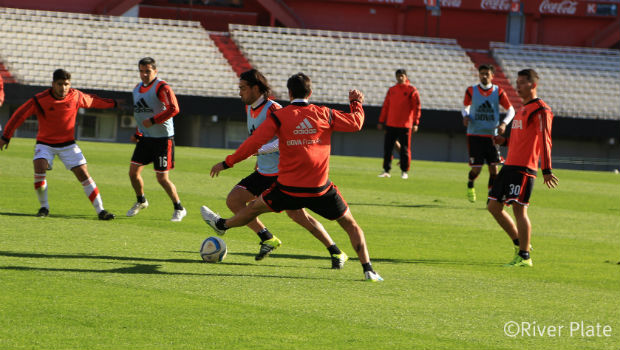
(304,132)
(56,110)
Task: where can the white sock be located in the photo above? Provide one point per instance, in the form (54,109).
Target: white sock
(92,192)
(40,185)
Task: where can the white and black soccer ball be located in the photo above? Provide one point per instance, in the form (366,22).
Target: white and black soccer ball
(213,249)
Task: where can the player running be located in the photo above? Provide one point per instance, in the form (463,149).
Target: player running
(56,110)
(481,117)
(304,132)
(154,105)
(254,91)
(530,139)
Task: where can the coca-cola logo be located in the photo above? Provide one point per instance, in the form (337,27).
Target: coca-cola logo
(502,5)
(450,3)
(565,7)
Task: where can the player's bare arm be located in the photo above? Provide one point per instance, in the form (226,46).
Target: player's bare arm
(501,129)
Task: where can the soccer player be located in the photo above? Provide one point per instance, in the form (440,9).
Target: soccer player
(304,131)
(530,140)
(56,110)
(481,117)
(154,105)
(400,117)
(254,91)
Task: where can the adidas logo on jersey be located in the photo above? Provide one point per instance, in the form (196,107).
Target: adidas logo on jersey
(485,112)
(142,107)
(304,128)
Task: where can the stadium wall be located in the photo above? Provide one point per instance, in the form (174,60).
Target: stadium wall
(588,144)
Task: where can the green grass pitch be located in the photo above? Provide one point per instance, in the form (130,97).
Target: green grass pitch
(70,281)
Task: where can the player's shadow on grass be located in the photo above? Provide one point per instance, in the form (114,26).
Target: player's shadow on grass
(401,205)
(60,216)
(148,269)
(137,268)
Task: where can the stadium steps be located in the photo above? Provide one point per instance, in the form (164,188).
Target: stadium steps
(484,57)
(6,75)
(231,52)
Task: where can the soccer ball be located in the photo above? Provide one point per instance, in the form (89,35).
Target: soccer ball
(213,250)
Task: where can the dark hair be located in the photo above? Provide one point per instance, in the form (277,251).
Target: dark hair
(256,78)
(488,67)
(61,74)
(400,71)
(299,85)
(148,60)
(531,75)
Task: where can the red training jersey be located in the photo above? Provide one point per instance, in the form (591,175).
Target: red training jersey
(56,117)
(530,137)
(304,131)
(401,107)
(503,97)
(1,91)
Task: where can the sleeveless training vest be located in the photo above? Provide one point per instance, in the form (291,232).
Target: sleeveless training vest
(267,163)
(147,105)
(484,112)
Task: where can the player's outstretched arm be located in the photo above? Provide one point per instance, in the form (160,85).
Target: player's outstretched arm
(217,168)
(551,180)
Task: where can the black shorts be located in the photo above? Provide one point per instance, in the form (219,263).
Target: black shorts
(159,151)
(330,205)
(256,183)
(513,184)
(481,149)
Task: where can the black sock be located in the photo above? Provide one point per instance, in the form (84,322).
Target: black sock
(470,184)
(141,198)
(221,224)
(367,267)
(178,206)
(333,249)
(525,255)
(515,241)
(264,234)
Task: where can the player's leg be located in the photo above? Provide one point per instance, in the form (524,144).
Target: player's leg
(163,162)
(388,145)
(305,220)
(476,161)
(493,158)
(164,180)
(238,198)
(404,137)
(241,218)
(505,221)
(91,191)
(358,241)
(40,185)
(524,228)
(135,176)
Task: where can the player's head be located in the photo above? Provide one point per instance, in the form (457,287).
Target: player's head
(527,81)
(299,86)
(401,76)
(61,83)
(148,69)
(485,73)
(252,85)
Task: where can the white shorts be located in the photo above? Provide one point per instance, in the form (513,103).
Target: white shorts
(71,156)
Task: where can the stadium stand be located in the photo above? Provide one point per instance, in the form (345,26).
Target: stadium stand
(339,61)
(102,52)
(576,82)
